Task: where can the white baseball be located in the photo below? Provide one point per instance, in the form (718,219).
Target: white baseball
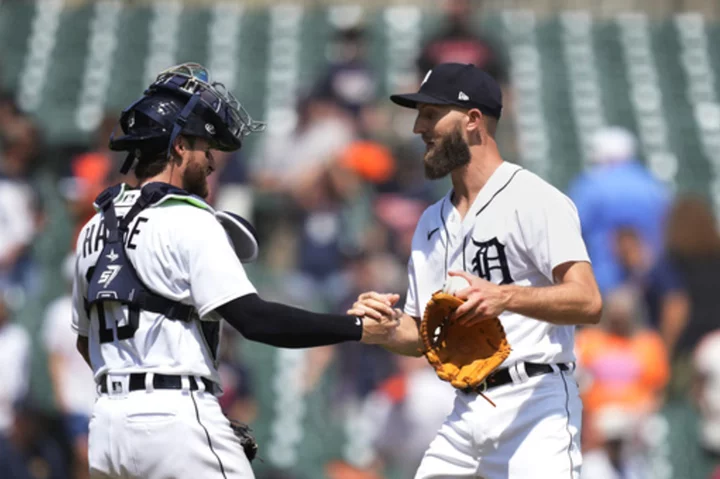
(455,284)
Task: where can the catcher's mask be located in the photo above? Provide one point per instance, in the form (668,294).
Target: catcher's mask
(182,100)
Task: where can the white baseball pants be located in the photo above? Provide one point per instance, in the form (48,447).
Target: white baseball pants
(533,432)
(163,434)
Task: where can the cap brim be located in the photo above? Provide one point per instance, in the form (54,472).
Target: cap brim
(411,100)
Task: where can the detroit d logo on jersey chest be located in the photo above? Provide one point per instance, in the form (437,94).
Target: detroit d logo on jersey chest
(489,261)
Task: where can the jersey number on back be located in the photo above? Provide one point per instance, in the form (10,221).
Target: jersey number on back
(123,332)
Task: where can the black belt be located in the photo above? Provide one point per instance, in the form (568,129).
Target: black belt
(502,376)
(160,381)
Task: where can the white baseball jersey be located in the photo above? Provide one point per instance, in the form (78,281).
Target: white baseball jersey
(180,252)
(518,229)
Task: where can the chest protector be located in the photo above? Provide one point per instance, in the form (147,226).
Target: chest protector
(114,278)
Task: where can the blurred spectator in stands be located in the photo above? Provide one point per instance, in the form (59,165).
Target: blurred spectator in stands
(237,401)
(91,173)
(402,416)
(372,162)
(294,164)
(364,169)
(101,146)
(229,188)
(460,41)
(620,363)
(277,474)
(18,204)
(339,469)
(322,132)
(409,178)
(334,203)
(620,455)
(29,452)
(706,391)
(362,369)
(325,227)
(349,79)
(9,113)
(617,192)
(15,360)
(400,215)
(666,301)
(693,245)
(689,438)
(72,379)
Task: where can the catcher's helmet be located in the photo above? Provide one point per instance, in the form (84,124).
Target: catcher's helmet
(182,101)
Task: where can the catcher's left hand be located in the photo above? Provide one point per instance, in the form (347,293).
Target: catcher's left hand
(247,440)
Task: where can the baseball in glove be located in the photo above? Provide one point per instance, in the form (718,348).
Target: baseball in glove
(247,440)
(462,355)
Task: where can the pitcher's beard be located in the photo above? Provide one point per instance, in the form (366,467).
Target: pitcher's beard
(452,152)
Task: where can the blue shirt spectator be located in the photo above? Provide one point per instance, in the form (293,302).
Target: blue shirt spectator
(617,192)
(656,277)
(662,280)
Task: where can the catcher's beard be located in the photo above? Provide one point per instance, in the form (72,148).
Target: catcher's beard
(450,153)
(195,179)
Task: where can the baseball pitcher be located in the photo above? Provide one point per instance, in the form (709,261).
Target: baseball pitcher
(498,278)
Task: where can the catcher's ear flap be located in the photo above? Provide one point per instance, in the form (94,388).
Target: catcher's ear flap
(242,235)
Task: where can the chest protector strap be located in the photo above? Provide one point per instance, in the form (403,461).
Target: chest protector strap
(114,278)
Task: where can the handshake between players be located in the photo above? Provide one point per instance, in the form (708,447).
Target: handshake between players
(386,325)
(399,332)
(380,320)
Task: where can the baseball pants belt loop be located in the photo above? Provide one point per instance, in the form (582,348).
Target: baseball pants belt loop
(200,383)
(521,372)
(514,374)
(185,383)
(149,382)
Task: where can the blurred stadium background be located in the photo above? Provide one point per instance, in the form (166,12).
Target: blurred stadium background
(613,101)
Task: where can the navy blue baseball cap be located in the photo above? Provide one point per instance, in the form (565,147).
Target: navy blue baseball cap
(458,84)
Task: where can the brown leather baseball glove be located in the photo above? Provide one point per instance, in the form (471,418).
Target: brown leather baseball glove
(462,355)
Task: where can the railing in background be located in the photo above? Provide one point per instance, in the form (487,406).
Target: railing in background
(585,90)
(164,29)
(223,42)
(41,41)
(646,96)
(602,8)
(526,77)
(701,94)
(283,67)
(102,43)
